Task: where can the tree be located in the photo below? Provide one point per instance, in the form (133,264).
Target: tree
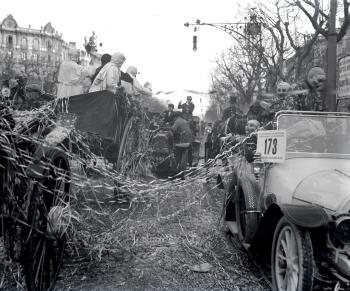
(323,20)
(240,70)
(277,53)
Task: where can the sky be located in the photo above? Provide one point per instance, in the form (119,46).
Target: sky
(151,33)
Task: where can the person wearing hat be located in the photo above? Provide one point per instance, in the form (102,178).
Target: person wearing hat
(187,108)
(71,76)
(233,109)
(169,115)
(233,117)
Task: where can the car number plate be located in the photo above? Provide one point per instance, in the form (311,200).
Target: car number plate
(272,145)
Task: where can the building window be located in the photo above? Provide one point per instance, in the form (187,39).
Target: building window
(24,45)
(9,42)
(35,44)
(35,57)
(49,46)
(49,58)
(24,56)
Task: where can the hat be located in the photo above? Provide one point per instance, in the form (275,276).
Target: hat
(106,58)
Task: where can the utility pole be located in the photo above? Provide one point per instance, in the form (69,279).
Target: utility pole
(331,99)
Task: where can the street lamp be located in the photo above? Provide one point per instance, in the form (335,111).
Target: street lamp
(251,29)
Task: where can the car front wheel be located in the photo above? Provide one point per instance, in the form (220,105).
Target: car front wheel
(291,258)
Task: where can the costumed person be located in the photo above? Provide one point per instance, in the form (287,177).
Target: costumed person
(312,98)
(95,61)
(70,78)
(148,86)
(134,88)
(283,100)
(109,77)
(187,108)
(169,115)
(105,58)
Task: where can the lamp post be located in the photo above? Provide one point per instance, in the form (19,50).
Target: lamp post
(237,30)
(331,58)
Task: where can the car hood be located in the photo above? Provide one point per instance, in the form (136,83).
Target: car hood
(329,188)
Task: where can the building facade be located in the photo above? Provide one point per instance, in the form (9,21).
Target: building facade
(36,53)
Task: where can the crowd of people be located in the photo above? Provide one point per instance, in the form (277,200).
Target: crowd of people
(308,96)
(74,79)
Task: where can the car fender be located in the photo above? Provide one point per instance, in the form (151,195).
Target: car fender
(308,216)
(251,190)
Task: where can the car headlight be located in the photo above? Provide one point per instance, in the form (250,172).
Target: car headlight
(340,230)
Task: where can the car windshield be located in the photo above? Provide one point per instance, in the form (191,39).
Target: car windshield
(316,133)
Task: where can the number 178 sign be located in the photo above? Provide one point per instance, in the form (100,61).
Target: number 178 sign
(272,146)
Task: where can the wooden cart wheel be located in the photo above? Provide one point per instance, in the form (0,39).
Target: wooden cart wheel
(11,200)
(48,219)
(123,144)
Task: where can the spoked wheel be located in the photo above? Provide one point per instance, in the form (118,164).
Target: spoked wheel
(48,218)
(13,194)
(246,213)
(291,258)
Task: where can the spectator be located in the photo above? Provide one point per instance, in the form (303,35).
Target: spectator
(208,144)
(5,91)
(252,125)
(6,120)
(187,108)
(70,76)
(182,133)
(109,77)
(233,110)
(169,115)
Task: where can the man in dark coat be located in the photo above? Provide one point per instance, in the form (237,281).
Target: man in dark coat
(169,115)
(187,108)
(182,133)
(234,118)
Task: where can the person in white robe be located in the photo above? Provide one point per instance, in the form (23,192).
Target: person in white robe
(134,89)
(109,76)
(70,76)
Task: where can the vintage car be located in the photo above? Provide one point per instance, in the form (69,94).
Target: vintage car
(296,213)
